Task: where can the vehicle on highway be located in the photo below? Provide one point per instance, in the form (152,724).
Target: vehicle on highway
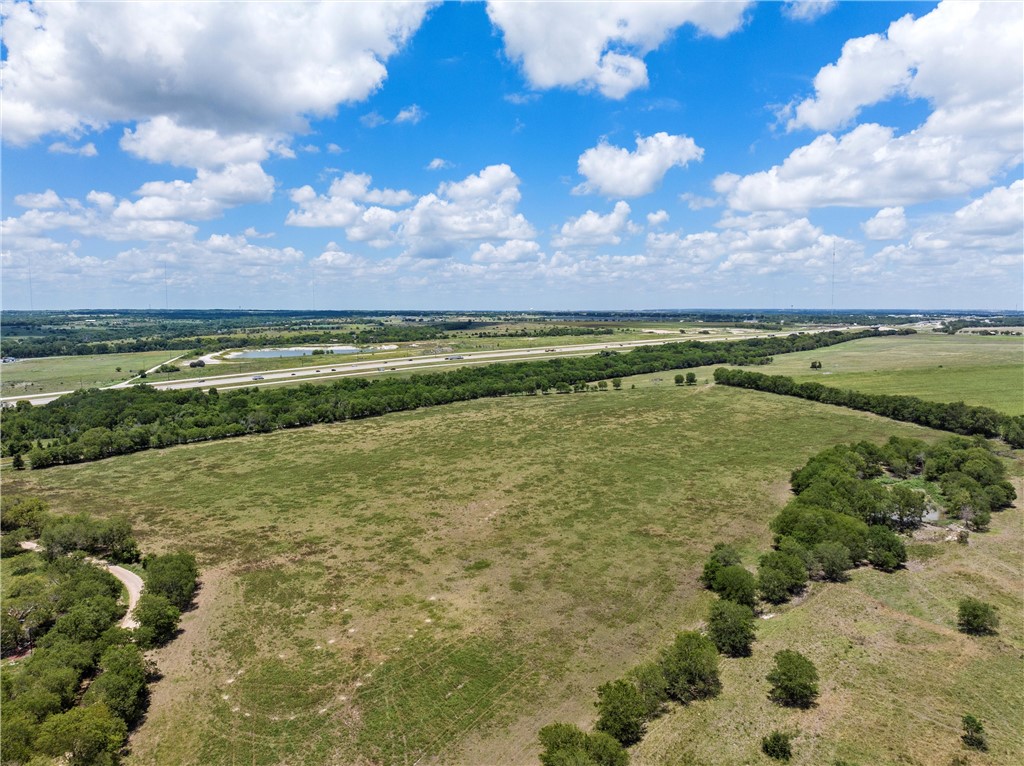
(257,377)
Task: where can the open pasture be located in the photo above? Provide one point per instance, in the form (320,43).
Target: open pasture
(436,585)
(68,373)
(977,370)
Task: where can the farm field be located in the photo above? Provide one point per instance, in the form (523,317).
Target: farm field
(437,585)
(67,373)
(978,370)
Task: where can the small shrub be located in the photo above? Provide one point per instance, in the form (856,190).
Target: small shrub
(976,617)
(777,745)
(974,733)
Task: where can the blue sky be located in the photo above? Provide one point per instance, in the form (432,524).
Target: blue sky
(512,155)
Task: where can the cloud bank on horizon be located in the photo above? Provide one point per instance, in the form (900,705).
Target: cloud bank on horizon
(513,155)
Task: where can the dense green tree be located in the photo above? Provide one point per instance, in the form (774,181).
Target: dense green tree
(691,378)
(734,583)
(791,547)
(605,750)
(92,736)
(121,684)
(794,680)
(12,635)
(621,711)
(773,586)
(833,560)
(791,566)
(905,508)
(731,628)
(173,576)
(885,549)
(158,619)
(18,511)
(649,680)
(86,619)
(690,666)
(18,730)
(566,745)
(721,556)
(976,617)
(680,379)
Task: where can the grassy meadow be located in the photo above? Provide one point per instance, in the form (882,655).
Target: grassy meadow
(68,373)
(435,586)
(978,370)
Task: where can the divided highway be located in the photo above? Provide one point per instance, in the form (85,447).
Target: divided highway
(332,368)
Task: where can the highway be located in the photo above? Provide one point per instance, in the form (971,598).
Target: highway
(331,368)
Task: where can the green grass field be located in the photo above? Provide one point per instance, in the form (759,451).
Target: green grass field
(435,586)
(977,370)
(69,373)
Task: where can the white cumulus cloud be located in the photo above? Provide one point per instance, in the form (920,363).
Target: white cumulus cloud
(959,55)
(617,172)
(807,10)
(342,205)
(592,228)
(161,139)
(887,223)
(412,114)
(599,46)
(74,66)
(85,150)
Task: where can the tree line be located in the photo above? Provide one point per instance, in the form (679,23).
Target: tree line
(850,504)
(94,424)
(957,417)
(59,622)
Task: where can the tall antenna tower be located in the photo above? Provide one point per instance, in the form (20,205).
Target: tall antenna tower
(31,305)
(833,281)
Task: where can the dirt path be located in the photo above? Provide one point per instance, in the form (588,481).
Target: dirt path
(131,581)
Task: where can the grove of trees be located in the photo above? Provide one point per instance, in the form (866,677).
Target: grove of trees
(65,609)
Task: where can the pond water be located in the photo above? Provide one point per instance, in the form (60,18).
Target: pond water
(274,353)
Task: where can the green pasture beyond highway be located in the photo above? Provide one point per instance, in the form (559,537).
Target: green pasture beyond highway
(977,370)
(439,584)
(68,373)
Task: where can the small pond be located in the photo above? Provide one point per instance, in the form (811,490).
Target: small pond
(274,353)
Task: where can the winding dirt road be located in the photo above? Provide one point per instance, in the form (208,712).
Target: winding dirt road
(131,581)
